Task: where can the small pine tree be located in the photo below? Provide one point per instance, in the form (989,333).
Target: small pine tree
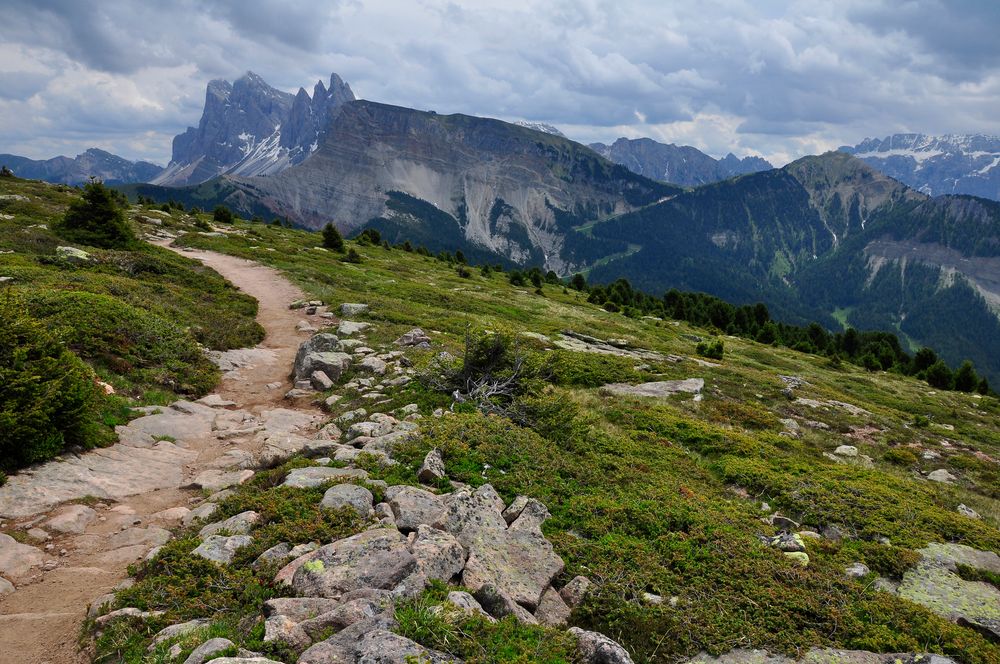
(578,282)
(939,376)
(983,387)
(96,220)
(460,257)
(353,256)
(223,215)
(332,239)
(966,379)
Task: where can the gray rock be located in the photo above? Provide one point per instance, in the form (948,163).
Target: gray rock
(346,614)
(331,363)
(349,327)
(307,478)
(788,542)
(414,337)
(941,475)
(662,388)
(275,554)
(216,480)
(353,496)
(412,506)
(299,609)
(514,509)
(369,429)
(467,604)
(384,647)
(242,660)
(73,254)
(101,603)
(17,559)
(352,309)
(439,555)
(500,605)
(376,558)
(207,650)
(128,612)
(471,516)
(575,591)
(343,646)
(221,549)
(71,519)
(174,631)
(856,570)
(532,515)
(968,511)
(595,648)
(372,365)
(147,537)
(6,587)
(282,629)
(432,470)
(203,511)
(846,450)
(240,524)
(552,611)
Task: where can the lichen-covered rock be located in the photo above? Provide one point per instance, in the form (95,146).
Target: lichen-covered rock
(221,549)
(414,337)
(432,469)
(208,650)
(376,558)
(412,506)
(346,614)
(500,605)
(174,631)
(595,648)
(384,647)
(467,604)
(343,646)
(439,555)
(856,570)
(282,629)
(552,611)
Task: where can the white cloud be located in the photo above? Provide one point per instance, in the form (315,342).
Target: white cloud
(774,78)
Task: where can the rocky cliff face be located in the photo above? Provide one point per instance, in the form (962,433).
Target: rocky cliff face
(937,165)
(110,168)
(677,164)
(454,178)
(249,128)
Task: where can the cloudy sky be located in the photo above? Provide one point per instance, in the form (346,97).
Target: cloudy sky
(778,79)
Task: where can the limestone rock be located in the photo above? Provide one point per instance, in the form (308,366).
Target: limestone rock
(968,511)
(216,480)
(349,327)
(353,496)
(941,475)
(432,469)
(352,309)
(846,450)
(412,506)
(376,558)
(71,519)
(240,524)
(222,549)
(595,648)
(372,365)
(307,478)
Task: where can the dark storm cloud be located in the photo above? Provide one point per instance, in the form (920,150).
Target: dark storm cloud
(777,78)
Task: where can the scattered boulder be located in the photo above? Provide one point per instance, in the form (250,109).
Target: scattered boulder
(381,646)
(595,648)
(275,554)
(203,511)
(856,570)
(320,381)
(222,549)
(239,524)
(282,629)
(432,470)
(350,327)
(968,511)
(72,254)
(467,604)
(552,611)
(352,309)
(574,592)
(376,558)
(663,388)
(800,558)
(439,555)
(207,650)
(372,365)
(343,646)
(412,506)
(173,631)
(941,475)
(308,478)
(216,480)
(353,496)
(788,542)
(6,587)
(500,605)
(346,613)
(414,338)
(846,450)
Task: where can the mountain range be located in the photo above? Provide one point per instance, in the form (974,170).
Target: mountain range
(110,168)
(676,164)
(936,165)
(827,238)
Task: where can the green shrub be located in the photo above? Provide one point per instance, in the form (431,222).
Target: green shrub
(332,239)
(900,456)
(711,349)
(127,340)
(48,397)
(96,219)
(223,215)
(353,256)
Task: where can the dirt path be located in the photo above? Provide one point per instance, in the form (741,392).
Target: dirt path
(40,622)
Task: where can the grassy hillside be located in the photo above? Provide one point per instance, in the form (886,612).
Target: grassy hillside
(665,496)
(139,319)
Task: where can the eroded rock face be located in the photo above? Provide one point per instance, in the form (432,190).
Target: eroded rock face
(663,388)
(376,559)
(935,583)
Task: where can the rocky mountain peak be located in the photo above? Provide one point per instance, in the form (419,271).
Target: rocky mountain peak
(677,164)
(251,128)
